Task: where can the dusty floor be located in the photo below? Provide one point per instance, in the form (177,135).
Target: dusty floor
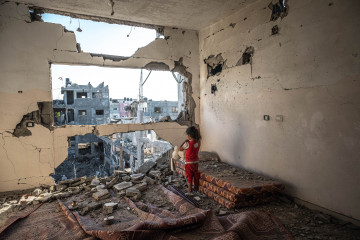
(301,222)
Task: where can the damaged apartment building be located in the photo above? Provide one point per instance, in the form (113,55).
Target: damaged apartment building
(83,105)
(273,86)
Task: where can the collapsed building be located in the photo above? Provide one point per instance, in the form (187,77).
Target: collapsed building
(273,86)
(82,105)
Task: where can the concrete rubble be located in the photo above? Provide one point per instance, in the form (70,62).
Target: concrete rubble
(121,183)
(103,198)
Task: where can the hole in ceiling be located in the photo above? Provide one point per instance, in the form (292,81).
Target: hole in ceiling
(101,37)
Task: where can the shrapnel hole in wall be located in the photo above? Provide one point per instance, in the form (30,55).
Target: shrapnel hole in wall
(278,9)
(275,30)
(246,56)
(215,64)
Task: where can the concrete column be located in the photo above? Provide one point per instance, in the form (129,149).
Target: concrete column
(76,116)
(76,146)
(92,148)
(132,164)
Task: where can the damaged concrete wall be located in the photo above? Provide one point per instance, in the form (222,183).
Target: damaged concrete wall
(27,49)
(304,67)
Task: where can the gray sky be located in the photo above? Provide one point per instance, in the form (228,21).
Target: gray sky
(113,39)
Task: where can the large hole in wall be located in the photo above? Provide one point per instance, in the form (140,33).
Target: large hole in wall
(42,116)
(215,64)
(279,8)
(90,155)
(89,95)
(85,158)
(102,37)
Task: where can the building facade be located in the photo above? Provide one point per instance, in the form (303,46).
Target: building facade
(82,105)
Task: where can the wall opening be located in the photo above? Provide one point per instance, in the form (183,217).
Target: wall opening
(90,155)
(214,64)
(114,95)
(278,9)
(85,158)
(101,37)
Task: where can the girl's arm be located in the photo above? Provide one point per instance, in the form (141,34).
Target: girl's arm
(182,145)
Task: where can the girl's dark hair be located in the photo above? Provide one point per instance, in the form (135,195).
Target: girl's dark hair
(194,133)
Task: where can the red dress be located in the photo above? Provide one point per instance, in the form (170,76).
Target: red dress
(192,162)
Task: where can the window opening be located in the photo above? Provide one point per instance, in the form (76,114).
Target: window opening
(157,109)
(107,98)
(81,95)
(99,112)
(82,112)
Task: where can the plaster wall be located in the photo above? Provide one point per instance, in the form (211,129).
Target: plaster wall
(27,49)
(310,74)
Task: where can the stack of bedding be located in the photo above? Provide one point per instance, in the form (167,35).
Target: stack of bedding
(233,187)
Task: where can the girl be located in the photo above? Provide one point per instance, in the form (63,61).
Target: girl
(192,146)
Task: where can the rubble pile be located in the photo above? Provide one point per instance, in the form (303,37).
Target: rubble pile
(105,201)
(88,194)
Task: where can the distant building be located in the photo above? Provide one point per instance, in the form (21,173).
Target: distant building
(155,110)
(160,109)
(117,108)
(82,105)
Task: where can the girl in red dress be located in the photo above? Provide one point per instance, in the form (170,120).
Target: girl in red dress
(192,146)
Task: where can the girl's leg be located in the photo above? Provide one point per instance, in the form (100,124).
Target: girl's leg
(189,176)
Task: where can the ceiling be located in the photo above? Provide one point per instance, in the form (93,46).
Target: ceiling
(186,14)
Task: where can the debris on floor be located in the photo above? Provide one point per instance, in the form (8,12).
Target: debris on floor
(125,200)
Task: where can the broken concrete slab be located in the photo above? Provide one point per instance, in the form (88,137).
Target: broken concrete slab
(110,207)
(141,186)
(146,167)
(101,194)
(112,182)
(121,194)
(137,176)
(109,220)
(44,197)
(61,195)
(99,187)
(94,182)
(132,192)
(155,174)
(68,181)
(126,178)
(60,187)
(149,180)
(90,207)
(122,186)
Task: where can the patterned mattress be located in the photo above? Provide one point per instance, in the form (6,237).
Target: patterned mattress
(234,188)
